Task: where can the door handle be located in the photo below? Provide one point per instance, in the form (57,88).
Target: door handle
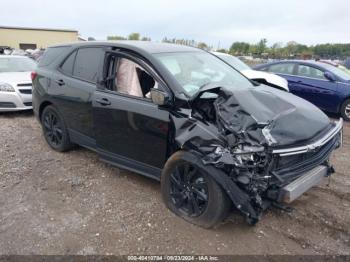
(60,82)
(103,101)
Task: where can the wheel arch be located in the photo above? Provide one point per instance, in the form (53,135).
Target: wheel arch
(342,102)
(239,198)
(42,107)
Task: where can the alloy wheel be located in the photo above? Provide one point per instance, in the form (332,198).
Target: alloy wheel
(53,129)
(347,110)
(189,190)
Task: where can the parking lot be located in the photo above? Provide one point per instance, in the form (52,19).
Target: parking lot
(72,203)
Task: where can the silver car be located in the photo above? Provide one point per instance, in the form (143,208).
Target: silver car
(258,76)
(15,82)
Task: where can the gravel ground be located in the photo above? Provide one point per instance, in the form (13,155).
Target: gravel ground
(72,203)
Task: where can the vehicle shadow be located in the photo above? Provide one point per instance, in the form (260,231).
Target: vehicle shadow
(24,113)
(333,115)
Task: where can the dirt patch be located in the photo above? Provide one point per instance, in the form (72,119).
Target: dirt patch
(72,203)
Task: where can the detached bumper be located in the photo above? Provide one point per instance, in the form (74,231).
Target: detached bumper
(13,101)
(302,184)
(301,168)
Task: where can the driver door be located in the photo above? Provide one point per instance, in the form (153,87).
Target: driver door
(131,131)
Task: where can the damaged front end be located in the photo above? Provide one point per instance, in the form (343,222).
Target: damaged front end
(244,139)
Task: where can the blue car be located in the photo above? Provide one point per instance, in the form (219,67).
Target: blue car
(322,84)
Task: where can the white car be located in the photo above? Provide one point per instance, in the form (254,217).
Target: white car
(15,82)
(258,76)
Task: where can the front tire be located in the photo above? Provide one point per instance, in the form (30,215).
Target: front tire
(191,193)
(345,110)
(54,129)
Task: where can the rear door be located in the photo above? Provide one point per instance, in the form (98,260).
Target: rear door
(131,131)
(314,87)
(72,87)
(287,71)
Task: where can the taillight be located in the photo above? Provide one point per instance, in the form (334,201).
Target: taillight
(33,75)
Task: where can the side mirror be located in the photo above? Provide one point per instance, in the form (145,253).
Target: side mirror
(329,76)
(160,97)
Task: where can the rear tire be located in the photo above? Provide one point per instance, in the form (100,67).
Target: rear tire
(345,110)
(194,196)
(54,129)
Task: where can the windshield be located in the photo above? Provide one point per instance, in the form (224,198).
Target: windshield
(343,68)
(196,69)
(234,61)
(16,64)
(342,74)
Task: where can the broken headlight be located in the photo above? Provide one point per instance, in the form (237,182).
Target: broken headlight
(248,155)
(241,156)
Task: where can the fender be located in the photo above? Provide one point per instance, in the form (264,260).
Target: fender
(239,198)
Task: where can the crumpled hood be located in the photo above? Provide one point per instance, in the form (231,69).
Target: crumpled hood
(265,115)
(234,130)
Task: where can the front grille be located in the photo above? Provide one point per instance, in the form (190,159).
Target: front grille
(25,84)
(7,105)
(25,91)
(28,103)
(293,165)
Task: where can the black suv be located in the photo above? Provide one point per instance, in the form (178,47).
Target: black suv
(183,116)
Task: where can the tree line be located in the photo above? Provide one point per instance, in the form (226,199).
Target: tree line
(279,50)
(132,36)
(138,37)
(290,49)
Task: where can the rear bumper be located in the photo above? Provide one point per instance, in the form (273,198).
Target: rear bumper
(302,184)
(13,101)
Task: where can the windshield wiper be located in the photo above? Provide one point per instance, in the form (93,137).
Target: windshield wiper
(255,83)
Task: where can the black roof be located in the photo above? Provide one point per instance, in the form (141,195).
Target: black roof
(146,46)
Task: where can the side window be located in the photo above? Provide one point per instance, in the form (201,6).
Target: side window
(264,69)
(67,66)
(309,71)
(87,63)
(127,77)
(282,68)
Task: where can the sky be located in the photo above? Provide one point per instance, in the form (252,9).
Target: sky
(216,22)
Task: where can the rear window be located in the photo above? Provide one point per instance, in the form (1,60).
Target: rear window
(16,64)
(51,54)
